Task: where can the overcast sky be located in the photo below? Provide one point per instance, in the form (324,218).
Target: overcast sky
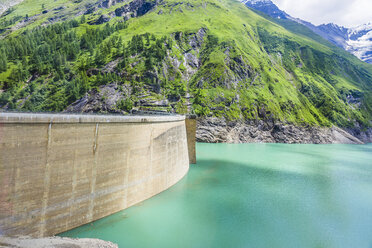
(348,13)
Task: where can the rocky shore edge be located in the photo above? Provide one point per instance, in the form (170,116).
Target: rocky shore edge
(218,130)
(54,242)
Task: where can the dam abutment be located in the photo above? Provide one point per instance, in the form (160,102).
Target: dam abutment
(58,172)
(191,137)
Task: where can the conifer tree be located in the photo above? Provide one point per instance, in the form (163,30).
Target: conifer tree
(82,19)
(3,61)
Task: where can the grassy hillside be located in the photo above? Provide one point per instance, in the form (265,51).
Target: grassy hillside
(212,58)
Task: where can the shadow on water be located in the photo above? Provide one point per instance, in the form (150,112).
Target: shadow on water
(244,179)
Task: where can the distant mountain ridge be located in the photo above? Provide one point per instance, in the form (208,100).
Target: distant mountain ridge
(357,41)
(268,7)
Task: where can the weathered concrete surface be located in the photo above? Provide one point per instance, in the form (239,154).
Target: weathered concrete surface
(191,138)
(58,172)
(54,242)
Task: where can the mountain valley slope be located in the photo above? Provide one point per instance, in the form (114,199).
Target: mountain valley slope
(215,59)
(355,40)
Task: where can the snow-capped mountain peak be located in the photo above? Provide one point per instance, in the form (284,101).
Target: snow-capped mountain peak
(360,42)
(267,7)
(359,30)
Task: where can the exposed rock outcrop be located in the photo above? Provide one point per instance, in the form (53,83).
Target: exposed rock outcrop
(215,130)
(364,135)
(54,242)
(135,8)
(103,100)
(102,19)
(110,98)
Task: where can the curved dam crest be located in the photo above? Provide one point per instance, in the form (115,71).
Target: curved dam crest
(58,172)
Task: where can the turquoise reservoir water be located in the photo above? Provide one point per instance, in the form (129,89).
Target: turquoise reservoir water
(255,195)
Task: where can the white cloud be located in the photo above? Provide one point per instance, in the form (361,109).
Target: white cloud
(348,13)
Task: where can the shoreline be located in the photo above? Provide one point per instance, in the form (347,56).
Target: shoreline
(55,241)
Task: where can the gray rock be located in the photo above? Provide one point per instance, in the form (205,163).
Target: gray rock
(197,40)
(362,134)
(101,19)
(54,242)
(108,3)
(103,101)
(90,10)
(136,8)
(154,103)
(192,60)
(216,130)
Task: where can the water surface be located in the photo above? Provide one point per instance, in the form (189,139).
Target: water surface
(255,195)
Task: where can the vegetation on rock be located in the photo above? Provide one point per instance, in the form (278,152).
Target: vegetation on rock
(211,58)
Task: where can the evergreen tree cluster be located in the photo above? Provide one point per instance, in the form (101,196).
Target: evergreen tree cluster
(3,61)
(4,23)
(53,52)
(152,51)
(50,67)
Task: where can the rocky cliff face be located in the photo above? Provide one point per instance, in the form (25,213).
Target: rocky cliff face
(215,130)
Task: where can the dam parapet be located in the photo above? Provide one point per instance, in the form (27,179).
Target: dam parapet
(60,171)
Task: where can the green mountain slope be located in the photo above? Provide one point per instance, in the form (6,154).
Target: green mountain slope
(212,58)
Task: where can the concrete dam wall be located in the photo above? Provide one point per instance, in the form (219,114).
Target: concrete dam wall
(58,172)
